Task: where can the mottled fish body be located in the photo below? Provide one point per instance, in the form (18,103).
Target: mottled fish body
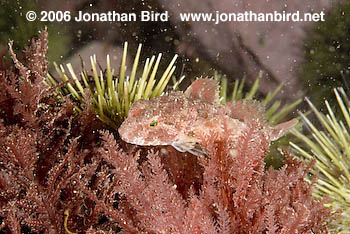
(180,118)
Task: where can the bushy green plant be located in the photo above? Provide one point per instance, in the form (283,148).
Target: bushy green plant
(327,56)
(329,146)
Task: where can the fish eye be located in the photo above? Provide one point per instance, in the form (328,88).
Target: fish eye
(153,123)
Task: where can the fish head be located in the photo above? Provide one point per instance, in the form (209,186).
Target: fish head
(158,121)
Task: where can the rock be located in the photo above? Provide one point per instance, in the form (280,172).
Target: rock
(240,48)
(101,50)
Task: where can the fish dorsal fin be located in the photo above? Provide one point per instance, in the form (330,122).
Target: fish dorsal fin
(206,90)
(247,110)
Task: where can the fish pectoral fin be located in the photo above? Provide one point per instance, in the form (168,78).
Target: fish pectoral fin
(188,144)
(191,147)
(183,146)
(197,150)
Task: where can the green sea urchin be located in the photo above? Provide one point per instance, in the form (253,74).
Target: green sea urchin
(329,145)
(113,95)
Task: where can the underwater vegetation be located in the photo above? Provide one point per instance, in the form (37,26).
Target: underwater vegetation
(62,171)
(326,58)
(329,144)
